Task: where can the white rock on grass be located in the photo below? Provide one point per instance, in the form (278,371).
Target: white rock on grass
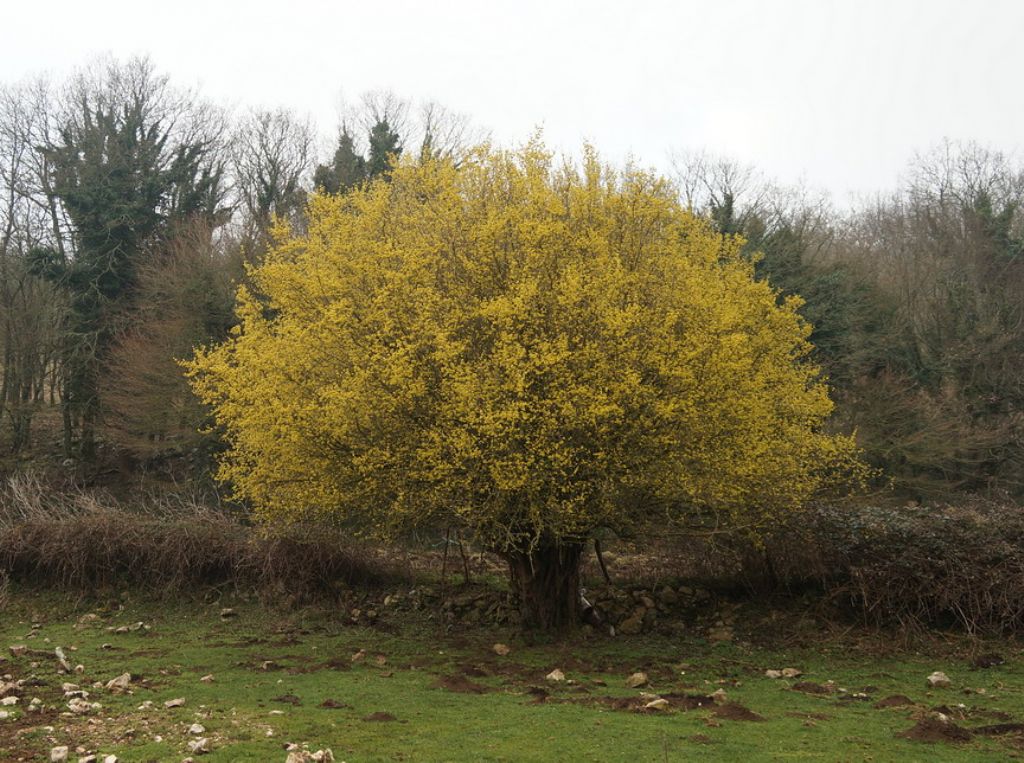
(4,715)
(657,704)
(9,701)
(773,674)
(120,684)
(637,680)
(296,755)
(196,729)
(81,706)
(177,702)
(199,746)
(556,676)
(59,754)
(791,673)
(938,680)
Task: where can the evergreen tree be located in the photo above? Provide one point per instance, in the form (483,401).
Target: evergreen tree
(347,169)
(385,144)
(122,178)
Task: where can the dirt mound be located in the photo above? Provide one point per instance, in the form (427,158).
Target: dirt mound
(689,701)
(999,728)
(933,730)
(894,700)
(810,716)
(539,694)
(809,687)
(380,716)
(459,684)
(333,704)
(983,661)
(288,699)
(734,711)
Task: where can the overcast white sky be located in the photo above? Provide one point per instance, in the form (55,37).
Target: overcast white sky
(837,93)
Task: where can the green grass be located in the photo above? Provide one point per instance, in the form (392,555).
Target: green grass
(186,641)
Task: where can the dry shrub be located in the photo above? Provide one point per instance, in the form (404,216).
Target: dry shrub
(82,541)
(914,566)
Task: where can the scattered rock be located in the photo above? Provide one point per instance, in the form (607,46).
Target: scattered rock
(637,680)
(657,704)
(555,676)
(207,679)
(120,684)
(62,661)
(305,756)
(79,706)
(359,656)
(501,650)
(773,674)
(4,715)
(938,679)
(110,759)
(9,701)
(59,754)
(719,696)
(196,729)
(88,759)
(199,746)
(177,702)
(18,650)
(227,613)
(631,626)
(791,673)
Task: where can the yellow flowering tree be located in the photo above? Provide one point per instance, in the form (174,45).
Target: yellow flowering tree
(524,348)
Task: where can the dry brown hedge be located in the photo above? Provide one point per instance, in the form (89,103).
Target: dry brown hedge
(958,565)
(82,541)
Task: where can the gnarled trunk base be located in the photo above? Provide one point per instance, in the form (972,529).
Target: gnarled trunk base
(547,581)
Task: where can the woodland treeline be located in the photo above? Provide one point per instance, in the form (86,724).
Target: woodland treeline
(130,208)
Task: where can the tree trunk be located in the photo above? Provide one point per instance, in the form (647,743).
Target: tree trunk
(547,582)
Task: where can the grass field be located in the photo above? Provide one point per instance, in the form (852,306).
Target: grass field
(404,690)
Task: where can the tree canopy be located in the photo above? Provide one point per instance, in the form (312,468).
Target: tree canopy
(526,349)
